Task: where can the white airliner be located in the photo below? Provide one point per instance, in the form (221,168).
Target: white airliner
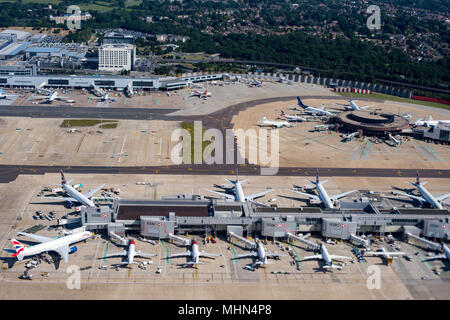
(444,256)
(205,94)
(353,106)
(328,201)
(430,122)
(382,252)
(292,117)
(311,110)
(255,83)
(328,258)
(6,96)
(105,98)
(130,254)
(75,195)
(239,195)
(194,254)
(97,91)
(350,136)
(261,255)
(59,245)
(52,97)
(275,124)
(426,196)
(129,91)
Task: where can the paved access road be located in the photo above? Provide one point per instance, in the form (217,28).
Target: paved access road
(10,172)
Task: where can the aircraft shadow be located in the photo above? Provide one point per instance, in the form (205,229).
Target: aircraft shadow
(293,198)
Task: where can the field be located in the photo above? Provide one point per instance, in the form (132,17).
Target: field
(388,97)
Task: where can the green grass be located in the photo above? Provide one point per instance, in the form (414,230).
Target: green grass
(383,96)
(109,126)
(84,123)
(34,1)
(189,126)
(95,7)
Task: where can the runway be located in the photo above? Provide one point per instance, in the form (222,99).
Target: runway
(10,172)
(86,112)
(137,113)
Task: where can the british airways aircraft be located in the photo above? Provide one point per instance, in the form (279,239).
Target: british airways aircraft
(75,195)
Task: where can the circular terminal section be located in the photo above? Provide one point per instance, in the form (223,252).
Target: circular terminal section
(372,122)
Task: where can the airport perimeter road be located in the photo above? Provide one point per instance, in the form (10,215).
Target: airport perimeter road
(86,112)
(10,172)
(138,113)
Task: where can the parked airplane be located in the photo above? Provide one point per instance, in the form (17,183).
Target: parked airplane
(350,136)
(238,194)
(105,98)
(430,122)
(427,197)
(255,83)
(382,252)
(130,254)
(194,254)
(311,110)
(353,106)
(75,196)
(97,91)
(444,256)
(59,245)
(328,258)
(323,198)
(52,97)
(275,124)
(292,117)
(261,255)
(205,94)
(129,90)
(6,96)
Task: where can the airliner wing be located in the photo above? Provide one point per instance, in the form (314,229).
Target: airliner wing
(275,254)
(36,237)
(374,253)
(91,192)
(222,194)
(207,254)
(312,196)
(439,256)
(443,197)
(246,255)
(420,199)
(333,256)
(63,251)
(183,254)
(316,256)
(258,195)
(117,254)
(144,254)
(341,195)
(61,198)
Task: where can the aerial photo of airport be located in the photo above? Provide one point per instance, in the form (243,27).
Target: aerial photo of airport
(138,164)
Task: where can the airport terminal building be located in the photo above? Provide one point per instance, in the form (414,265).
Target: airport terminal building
(177,215)
(105,82)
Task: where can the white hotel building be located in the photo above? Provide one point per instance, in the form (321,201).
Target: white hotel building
(116,57)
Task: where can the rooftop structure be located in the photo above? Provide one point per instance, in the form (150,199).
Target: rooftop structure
(372,122)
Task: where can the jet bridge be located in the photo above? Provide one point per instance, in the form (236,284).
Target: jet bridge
(183,241)
(429,244)
(361,241)
(249,244)
(311,245)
